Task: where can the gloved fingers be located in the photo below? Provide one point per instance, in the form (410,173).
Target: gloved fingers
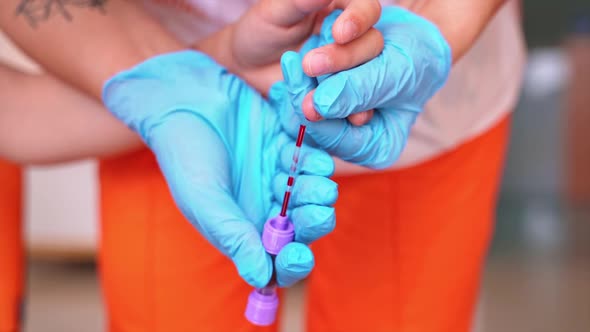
(293,263)
(196,165)
(349,88)
(339,138)
(311,161)
(358,16)
(413,65)
(308,109)
(356,119)
(297,83)
(297,86)
(332,58)
(376,144)
(312,222)
(280,102)
(307,189)
(301,89)
(372,85)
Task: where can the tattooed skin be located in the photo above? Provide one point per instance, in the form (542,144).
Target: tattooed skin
(36,11)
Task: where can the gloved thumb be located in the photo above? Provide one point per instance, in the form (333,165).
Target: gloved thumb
(298,83)
(202,190)
(293,263)
(328,133)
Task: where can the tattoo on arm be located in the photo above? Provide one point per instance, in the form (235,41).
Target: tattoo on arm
(36,11)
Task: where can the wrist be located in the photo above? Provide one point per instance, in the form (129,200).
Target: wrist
(460,31)
(221,47)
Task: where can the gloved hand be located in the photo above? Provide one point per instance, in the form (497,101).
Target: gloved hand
(413,66)
(225,157)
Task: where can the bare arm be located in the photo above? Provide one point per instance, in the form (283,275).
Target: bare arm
(43,120)
(84,46)
(53,117)
(460,21)
(58,116)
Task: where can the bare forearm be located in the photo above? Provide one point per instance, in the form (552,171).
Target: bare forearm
(43,120)
(84,46)
(460,21)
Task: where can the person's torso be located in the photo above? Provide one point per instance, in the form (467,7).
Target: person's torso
(482,89)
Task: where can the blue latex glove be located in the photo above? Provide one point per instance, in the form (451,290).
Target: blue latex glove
(225,157)
(413,66)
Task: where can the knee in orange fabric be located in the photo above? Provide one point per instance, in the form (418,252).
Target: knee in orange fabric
(158,272)
(409,245)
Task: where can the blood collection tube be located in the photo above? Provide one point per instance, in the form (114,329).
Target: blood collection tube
(263,303)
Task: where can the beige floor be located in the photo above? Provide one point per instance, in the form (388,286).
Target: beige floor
(517,298)
(63,298)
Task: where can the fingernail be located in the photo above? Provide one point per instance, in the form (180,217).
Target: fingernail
(360,119)
(308,110)
(349,30)
(312,116)
(319,64)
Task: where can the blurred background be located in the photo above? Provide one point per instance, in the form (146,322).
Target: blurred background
(538,271)
(537,275)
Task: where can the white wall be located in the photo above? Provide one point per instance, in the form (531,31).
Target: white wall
(61,207)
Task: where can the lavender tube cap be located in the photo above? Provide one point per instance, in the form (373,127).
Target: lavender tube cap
(263,304)
(277,233)
(262,308)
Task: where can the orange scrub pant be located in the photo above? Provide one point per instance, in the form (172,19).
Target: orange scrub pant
(11,248)
(406,256)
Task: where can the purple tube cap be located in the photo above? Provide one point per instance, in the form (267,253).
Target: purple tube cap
(262,308)
(277,233)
